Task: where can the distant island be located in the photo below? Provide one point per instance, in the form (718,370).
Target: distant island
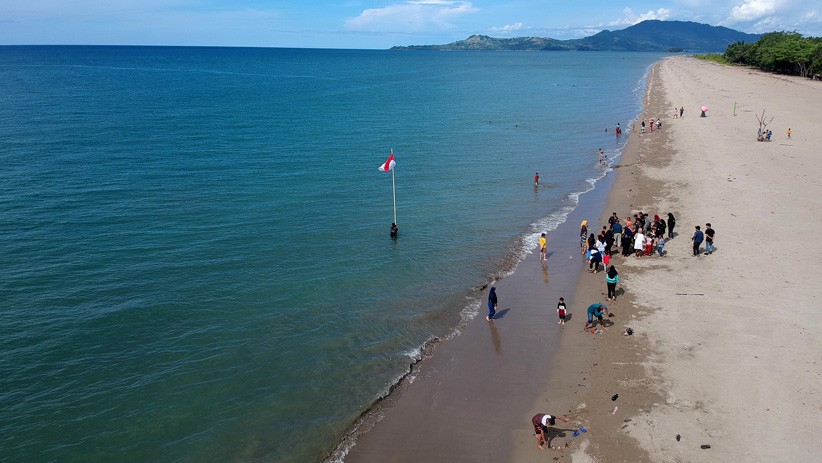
(651,35)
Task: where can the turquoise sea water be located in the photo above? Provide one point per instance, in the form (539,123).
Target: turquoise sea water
(195,263)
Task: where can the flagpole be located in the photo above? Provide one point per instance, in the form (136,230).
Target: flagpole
(394,190)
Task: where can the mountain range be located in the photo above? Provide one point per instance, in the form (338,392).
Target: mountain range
(651,35)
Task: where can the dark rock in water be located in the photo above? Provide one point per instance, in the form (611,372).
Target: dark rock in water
(705,446)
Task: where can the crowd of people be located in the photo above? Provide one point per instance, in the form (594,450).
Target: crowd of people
(637,235)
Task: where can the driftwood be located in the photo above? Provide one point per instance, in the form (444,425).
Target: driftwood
(763,124)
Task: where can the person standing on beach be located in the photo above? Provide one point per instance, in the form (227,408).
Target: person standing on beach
(627,241)
(541,421)
(613,219)
(616,228)
(562,310)
(789,133)
(492,303)
(591,243)
(612,278)
(709,239)
(671,223)
(595,310)
(543,249)
(681,110)
(596,258)
(639,242)
(697,239)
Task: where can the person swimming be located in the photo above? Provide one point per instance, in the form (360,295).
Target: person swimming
(394,230)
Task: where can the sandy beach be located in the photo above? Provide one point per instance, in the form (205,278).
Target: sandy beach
(726,350)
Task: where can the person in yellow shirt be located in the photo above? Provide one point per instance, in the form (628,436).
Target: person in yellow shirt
(789,133)
(543,248)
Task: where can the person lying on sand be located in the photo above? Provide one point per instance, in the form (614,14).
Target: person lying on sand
(541,421)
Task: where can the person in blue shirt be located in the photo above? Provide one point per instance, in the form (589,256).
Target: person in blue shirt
(698,238)
(616,227)
(595,310)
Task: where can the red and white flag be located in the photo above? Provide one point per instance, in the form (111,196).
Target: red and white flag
(389,164)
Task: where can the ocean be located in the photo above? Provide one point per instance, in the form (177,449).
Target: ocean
(195,256)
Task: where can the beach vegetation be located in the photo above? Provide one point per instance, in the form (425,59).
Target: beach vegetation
(780,52)
(713,57)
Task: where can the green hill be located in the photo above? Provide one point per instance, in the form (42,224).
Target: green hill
(652,35)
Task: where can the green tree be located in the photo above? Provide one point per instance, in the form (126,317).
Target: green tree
(783,52)
(736,52)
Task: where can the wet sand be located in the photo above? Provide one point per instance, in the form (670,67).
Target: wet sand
(726,350)
(473,399)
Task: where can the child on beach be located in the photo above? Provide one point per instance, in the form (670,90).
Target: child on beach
(561,311)
(649,245)
(660,245)
(543,248)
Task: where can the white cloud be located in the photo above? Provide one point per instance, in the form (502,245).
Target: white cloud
(411,16)
(750,10)
(632,18)
(508,27)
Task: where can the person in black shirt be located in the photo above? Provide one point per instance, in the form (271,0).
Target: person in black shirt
(671,223)
(709,239)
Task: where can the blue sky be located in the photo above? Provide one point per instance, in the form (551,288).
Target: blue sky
(369,23)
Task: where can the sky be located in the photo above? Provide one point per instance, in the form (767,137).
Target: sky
(370,24)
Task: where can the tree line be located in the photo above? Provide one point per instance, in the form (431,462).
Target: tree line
(781,52)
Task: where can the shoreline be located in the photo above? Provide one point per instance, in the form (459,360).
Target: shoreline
(516,291)
(531,297)
(715,355)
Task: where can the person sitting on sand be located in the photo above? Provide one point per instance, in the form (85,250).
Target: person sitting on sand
(541,421)
(595,310)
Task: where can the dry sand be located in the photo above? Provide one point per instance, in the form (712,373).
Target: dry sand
(727,349)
